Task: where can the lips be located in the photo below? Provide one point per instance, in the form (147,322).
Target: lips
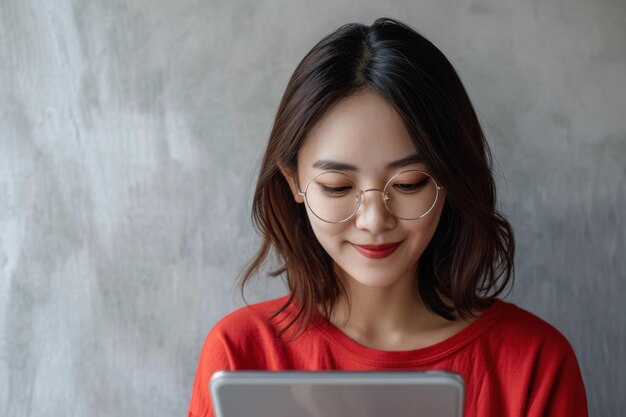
(377,251)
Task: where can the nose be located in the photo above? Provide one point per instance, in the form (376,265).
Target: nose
(372,214)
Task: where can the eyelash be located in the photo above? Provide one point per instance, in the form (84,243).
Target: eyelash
(413,187)
(335,190)
(401,187)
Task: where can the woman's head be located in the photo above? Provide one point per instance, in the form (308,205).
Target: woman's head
(365,185)
(368,96)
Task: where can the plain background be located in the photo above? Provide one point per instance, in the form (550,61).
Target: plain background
(131,134)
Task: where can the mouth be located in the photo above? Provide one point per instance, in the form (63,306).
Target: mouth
(377,251)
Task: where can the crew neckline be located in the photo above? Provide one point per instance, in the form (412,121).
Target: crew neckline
(413,357)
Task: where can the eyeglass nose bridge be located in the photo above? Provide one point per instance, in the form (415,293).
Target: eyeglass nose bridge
(385,197)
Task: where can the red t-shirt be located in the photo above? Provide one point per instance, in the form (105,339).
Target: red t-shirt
(514,363)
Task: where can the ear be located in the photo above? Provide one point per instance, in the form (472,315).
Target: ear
(292,179)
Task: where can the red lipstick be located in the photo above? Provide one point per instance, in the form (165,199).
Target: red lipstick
(377,251)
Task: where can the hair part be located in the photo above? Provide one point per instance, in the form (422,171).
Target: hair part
(469,261)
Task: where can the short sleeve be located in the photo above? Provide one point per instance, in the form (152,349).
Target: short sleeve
(214,357)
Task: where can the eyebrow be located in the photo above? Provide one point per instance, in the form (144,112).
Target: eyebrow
(328,164)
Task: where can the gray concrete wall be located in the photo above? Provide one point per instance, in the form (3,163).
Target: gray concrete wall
(131,131)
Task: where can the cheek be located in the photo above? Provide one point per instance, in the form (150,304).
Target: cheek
(429,227)
(424,229)
(328,234)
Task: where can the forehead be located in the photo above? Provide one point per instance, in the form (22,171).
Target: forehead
(362,130)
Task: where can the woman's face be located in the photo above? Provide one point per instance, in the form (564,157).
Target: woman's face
(364,131)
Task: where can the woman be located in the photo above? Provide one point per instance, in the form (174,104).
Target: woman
(377,198)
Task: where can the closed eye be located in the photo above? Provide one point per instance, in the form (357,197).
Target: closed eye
(336,191)
(409,187)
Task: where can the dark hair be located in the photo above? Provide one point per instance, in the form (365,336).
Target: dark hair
(469,260)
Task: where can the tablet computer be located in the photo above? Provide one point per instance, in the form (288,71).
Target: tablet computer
(337,394)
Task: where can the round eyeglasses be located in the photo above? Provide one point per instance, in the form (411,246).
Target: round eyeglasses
(335,197)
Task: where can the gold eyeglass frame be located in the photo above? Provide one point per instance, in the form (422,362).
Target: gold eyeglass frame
(359,198)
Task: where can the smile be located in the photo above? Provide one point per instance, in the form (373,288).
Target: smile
(377,251)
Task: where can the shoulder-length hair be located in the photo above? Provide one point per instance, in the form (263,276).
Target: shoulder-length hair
(469,260)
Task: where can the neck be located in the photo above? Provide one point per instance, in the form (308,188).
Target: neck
(384,314)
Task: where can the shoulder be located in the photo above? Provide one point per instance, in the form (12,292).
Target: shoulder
(249,317)
(251,323)
(541,355)
(240,340)
(522,343)
(520,327)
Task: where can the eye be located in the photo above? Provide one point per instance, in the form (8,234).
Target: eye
(336,191)
(408,187)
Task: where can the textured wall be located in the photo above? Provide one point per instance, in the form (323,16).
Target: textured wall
(131,131)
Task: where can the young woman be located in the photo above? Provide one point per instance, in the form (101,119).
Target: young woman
(376,197)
